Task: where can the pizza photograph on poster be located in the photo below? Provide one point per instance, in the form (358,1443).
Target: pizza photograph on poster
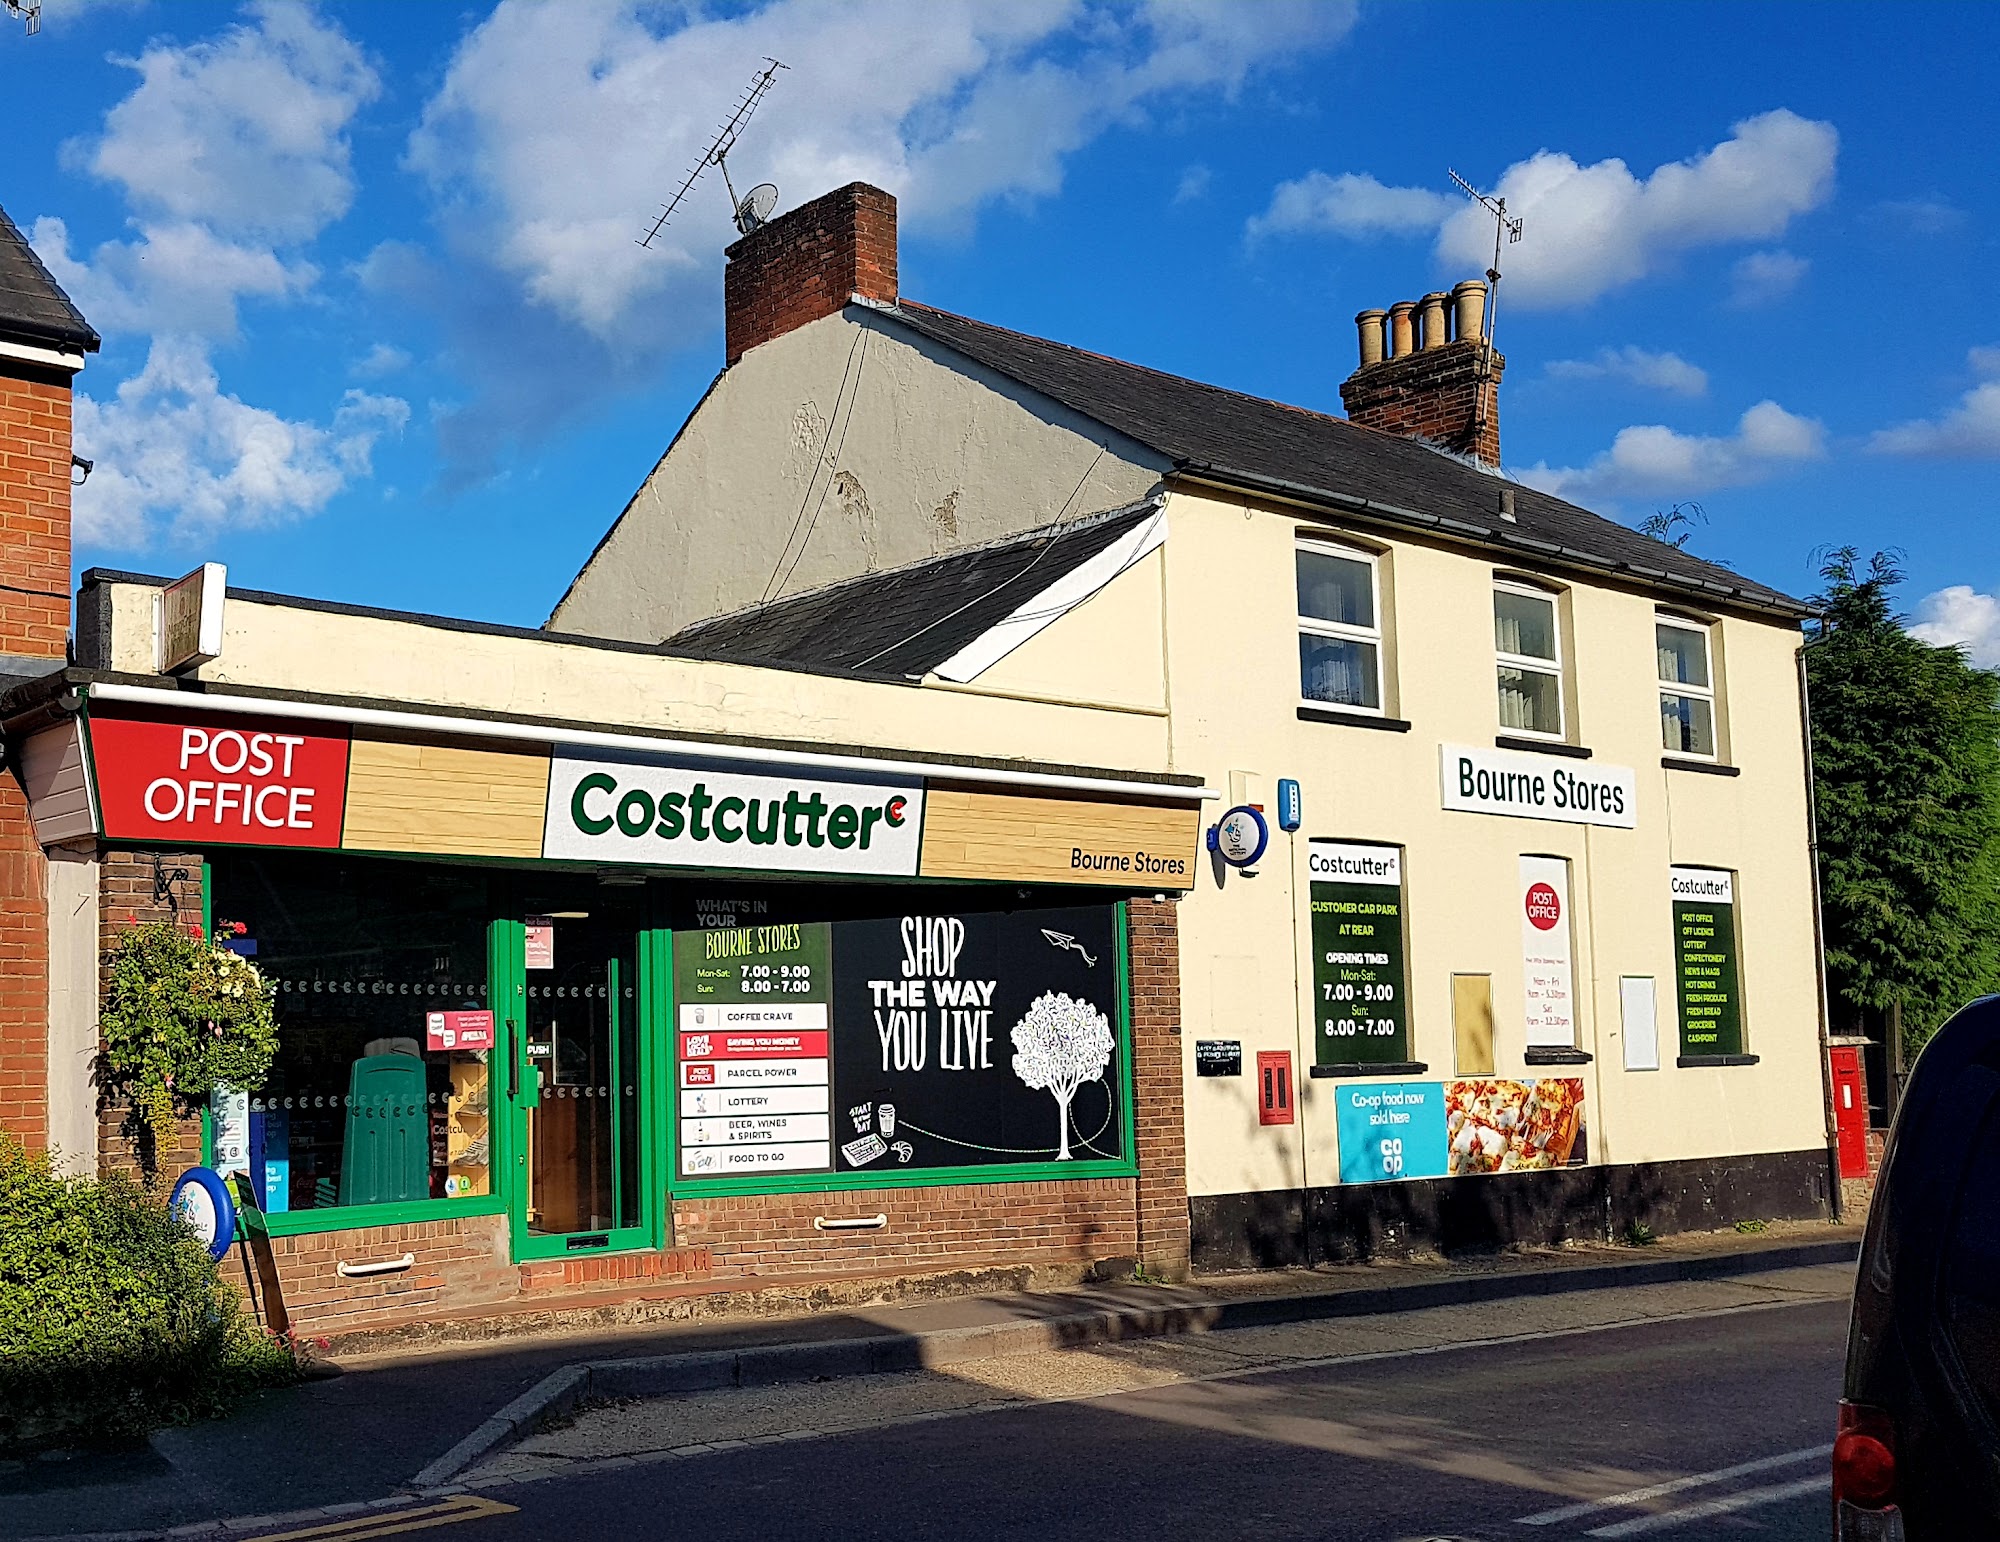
(976,1040)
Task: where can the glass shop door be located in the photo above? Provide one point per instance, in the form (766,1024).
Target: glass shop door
(580,1077)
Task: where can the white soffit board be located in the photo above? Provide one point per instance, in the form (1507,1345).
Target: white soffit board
(1054,602)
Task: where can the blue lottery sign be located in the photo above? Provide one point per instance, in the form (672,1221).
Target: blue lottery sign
(1390,1130)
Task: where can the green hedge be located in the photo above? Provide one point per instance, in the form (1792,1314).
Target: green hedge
(113,1320)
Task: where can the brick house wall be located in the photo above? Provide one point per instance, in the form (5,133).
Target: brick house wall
(34,625)
(137,887)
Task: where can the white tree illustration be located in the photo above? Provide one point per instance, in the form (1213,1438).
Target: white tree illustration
(1061,1044)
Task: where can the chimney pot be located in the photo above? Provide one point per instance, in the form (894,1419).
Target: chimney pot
(1401,328)
(1433,314)
(1469,303)
(1373,338)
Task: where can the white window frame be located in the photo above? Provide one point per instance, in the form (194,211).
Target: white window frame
(1528,663)
(1707,693)
(1315,627)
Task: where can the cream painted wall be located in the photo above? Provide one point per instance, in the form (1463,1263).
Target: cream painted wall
(889,448)
(290,648)
(1245,941)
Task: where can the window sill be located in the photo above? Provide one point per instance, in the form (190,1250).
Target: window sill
(1542,746)
(1706,767)
(1392,725)
(298,1223)
(1554,1056)
(1708,1060)
(1380,1068)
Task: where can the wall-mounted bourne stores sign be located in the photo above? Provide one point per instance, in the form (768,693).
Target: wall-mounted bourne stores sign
(205,777)
(1477,781)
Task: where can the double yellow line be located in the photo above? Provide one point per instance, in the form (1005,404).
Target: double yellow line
(465,1507)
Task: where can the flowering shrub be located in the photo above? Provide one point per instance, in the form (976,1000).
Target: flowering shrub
(181,1016)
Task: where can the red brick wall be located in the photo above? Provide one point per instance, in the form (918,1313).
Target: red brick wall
(126,894)
(1431,394)
(458,1263)
(34,623)
(1158,1116)
(804,265)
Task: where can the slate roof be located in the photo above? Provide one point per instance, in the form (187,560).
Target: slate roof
(1249,442)
(906,622)
(33,307)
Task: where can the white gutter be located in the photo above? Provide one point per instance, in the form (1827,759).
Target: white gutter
(586,738)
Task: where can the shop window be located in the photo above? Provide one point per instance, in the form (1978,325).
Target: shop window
(1705,962)
(364,1105)
(1527,640)
(1687,687)
(1340,627)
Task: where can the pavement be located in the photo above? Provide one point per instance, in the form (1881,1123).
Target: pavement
(361,1439)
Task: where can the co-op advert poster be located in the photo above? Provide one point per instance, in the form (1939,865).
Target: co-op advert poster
(899,1043)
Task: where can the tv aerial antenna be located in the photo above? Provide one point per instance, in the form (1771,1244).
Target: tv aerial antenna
(28,11)
(1509,231)
(755,206)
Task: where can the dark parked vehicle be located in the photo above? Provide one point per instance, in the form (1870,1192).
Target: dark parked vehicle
(1917,1455)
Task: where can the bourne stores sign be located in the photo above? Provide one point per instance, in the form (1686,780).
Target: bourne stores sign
(206,778)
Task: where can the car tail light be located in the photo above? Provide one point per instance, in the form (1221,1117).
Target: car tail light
(1864,1457)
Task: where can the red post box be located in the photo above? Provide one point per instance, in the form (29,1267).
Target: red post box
(1274,1086)
(1850,1110)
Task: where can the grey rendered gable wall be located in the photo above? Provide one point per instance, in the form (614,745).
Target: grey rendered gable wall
(847,446)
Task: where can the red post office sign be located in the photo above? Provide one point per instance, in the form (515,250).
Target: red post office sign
(203,777)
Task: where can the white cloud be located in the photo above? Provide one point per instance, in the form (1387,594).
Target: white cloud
(1762,278)
(1971,430)
(1652,460)
(980,102)
(1636,366)
(1591,229)
(1194,183)
(174,452)
(1963,616)
(179,278)
(382,359)
(246,133)
(1932,216)
(1352,204)
(232,153)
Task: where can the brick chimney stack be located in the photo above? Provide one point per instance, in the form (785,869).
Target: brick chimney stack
(803,265)
(1426,372)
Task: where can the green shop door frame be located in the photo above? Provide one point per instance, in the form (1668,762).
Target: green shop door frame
(518,1090)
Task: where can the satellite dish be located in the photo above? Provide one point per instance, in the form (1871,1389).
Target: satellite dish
(756,206)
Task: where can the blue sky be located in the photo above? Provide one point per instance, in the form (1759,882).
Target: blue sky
(376,329)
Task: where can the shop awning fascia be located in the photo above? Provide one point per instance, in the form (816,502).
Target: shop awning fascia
(443,724)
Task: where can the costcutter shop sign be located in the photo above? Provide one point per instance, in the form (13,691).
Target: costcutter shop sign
(231,780)
(1526,786)
(635,809)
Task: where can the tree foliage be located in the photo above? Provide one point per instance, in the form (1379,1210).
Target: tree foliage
(1906,761)
(181,1016)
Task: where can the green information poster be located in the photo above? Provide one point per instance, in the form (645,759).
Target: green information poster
(1705,961)
(1360,989)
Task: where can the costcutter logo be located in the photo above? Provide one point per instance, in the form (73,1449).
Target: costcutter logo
(1544,907)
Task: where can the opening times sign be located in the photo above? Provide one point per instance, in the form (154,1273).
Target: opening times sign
(1360,993)
(1705,962)
(752,1033)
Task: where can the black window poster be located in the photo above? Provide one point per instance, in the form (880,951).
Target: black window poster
(1705,961)
(1360,993)
(972,1040)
